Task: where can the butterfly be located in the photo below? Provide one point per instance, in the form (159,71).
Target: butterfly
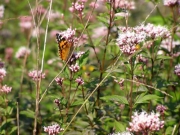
(64,47)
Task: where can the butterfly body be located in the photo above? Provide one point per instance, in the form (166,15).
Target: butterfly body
(64,47)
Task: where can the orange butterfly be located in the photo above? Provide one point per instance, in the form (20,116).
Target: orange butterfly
(64,47)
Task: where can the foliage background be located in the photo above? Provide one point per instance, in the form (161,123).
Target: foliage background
(112,113)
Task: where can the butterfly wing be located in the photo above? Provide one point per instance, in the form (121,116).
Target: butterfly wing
(64,47)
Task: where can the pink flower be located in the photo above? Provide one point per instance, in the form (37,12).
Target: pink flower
(2,73)
(59,81)
(166,44)
(125,4)
(76,56)
(69,34)
(39,10)
(57,102)
(25,22)
(171,2)
(82,40)
(74,68)
(129,38)
(36,75)
(8,53)
(144,123)
(83,1)
(80,81)
(5,89)
(161,109)
(177,70)
(22,52)
(1,11)
(53,130)
(99,32)
(77,7)
(55,15)
(1,65)
(93,5)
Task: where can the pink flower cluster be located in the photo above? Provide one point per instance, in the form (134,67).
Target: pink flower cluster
(161,109)
(77,7)
(130,37)
(2,73)
(153,31)
(171,3)
(59,81)
(1,11)
(74,68)
(53,130)
(57,102)
(36,75)
(177,70)
(26,23)
(1,14)
(76,56)
(80,81)
(5,89)
(22,52)
(128,40)
(125,4)
(68,34)
(145,123)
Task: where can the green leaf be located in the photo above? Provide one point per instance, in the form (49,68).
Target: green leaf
(28,113)
(84,58)
(79,102)
(13,130)
(162,57)
(119,126)
(117,98)
(144,98)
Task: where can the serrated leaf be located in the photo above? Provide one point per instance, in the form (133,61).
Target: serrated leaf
(117,98)
(144,99)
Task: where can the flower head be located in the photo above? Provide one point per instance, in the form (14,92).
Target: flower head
(36,75)
(76,56)
(1,11)
(69,34)
(5,89)
(145,123)
(57,102)
(177,70)
(26,22)
(77,7)
(53,130)
(2,73)
(94,5)
(59,81)
(22,52)
(74,68)
(122,133)
(161,109)
(80,81)
(171,3)
(125,4)
(131,37)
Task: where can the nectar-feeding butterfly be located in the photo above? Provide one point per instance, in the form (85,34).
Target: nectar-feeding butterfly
(64,47)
